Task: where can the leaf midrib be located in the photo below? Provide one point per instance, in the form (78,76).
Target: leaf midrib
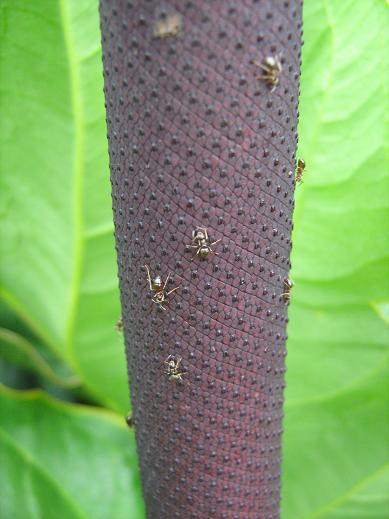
(79,139)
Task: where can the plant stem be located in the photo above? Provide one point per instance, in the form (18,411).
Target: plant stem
(201,136)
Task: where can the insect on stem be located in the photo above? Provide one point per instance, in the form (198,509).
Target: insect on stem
(157,287)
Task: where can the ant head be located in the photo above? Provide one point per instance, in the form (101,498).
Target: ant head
(198,234)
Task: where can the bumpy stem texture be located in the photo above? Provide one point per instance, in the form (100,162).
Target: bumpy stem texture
(199,138)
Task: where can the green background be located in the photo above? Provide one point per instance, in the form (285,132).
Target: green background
(59,295)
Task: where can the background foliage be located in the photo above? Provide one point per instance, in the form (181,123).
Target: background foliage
(59,295)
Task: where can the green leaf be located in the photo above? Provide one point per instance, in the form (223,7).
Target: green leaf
(337,401)
(335,449)
(369,499)
(78,461)
(58,256)
(18,350)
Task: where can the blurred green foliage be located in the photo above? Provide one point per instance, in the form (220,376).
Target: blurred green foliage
(59,295)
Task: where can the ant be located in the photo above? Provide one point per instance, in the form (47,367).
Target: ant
(201,242)
(288,284)
(130,420)
(119,325)
(172,372)
(300,170)
(272,68)
(158,287)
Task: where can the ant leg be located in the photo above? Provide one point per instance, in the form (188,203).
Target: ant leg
(166,280)
(215,242)
(263,67)
(161,306)
(172,290)
(149,277)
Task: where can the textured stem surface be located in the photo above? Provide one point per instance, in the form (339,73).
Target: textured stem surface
(197,138)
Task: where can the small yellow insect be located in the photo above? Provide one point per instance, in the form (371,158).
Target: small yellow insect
(288,284)
(130,420)
(201,242)
(300,170)
(172,366)
(271,70)
(158,287)
(119,325)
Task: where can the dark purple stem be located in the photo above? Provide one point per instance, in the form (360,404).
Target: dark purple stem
(197,138)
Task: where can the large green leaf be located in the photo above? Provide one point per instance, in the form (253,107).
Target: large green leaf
(58,263)
(336,431)
(65,461)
